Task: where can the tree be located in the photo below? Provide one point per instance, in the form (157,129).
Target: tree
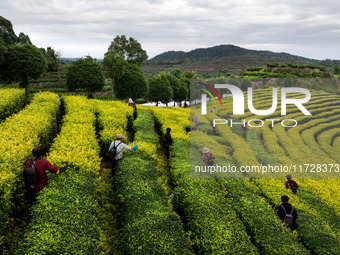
(131,84)
(113,67)
(131,50)
(159,89)
(9,37)
(336,70)
(2,55)
(23,62)
(245,83)
(85,73)
(23,39)
(180,91)
(176,72)
(120,52)
(186,79)
(6,32)
(52,59)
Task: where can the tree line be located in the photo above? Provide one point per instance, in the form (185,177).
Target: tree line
(21,61)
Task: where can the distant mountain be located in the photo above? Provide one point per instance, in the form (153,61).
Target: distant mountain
(223,51)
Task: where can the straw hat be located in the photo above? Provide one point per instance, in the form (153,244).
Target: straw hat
(205,150)
(120,136)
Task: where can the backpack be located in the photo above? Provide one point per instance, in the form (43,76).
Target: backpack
(31,175)
(113,150)
(288,217)
(210,160)
(293,186)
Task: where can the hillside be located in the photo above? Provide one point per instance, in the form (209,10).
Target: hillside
(223,51)
(233,64)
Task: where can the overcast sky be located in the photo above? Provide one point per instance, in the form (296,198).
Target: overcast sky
(77,28)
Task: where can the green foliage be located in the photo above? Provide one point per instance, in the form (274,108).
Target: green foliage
(336,70)
(149,224)
(20,133)
(186,77)
(131,84)
(23,62)
(64,218)
(8,36)
(63,221)
(176,72)
(85,73)
(114,67)
(219,52)
(24,39)
(245,84)
(52,59)
(159,89)
(180,90)
(252,69)
(11,101)
(130,50)
(6,32)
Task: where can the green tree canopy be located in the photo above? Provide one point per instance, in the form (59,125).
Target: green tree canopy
(85,73)
(245,83)
(131,50)
(120,52)
(6,32)
(159,89)
(336,70)
(52,59)
(186,77)
(180,90)
(2,55)
(114,67)
(24,39)
(9,37)
(22,62)
(131,84)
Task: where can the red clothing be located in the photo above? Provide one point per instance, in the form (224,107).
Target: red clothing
(208,159)
(42,165)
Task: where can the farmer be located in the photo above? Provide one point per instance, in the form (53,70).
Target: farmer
(208,157)
(287,213)
(196,120)
(290,184)
(227,116)
(41,165)
(168,142)
(120,146)
(133,104)
(213,109)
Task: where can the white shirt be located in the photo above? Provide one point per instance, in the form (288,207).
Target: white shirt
(121,146)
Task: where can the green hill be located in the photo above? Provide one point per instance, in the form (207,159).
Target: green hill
(223,51)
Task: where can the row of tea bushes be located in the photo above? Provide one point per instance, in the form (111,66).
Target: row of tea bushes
(148,224)
(64,218)
(208,215)
(30,127)
(11,101)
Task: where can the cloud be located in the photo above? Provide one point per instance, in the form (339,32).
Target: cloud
(79,27)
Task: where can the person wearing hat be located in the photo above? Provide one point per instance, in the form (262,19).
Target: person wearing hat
(286,210)
(208,157)
(120,146)
(133,104)
(290,184)
(196,120)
